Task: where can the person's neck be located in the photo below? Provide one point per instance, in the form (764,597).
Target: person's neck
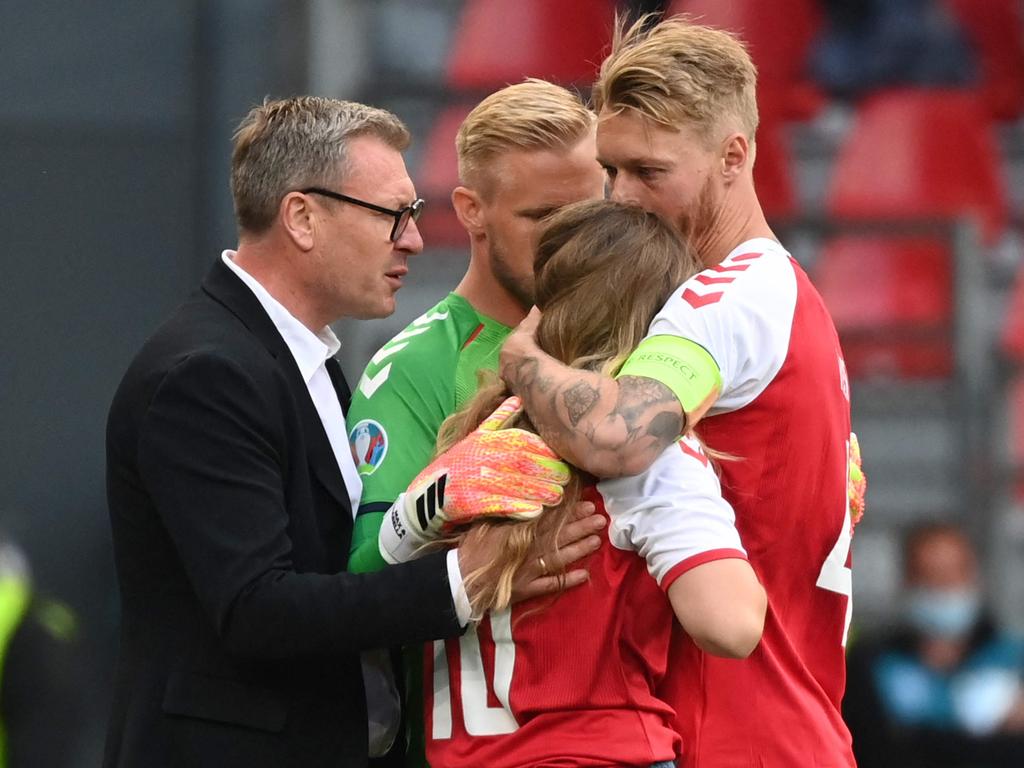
(943,654)
(487,296)
(264,263)
(735,223)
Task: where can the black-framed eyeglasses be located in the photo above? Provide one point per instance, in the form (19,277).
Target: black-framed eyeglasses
(402,216)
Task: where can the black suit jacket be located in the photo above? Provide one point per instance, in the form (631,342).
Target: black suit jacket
(241,630)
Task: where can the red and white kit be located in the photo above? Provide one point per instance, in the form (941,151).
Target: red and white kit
(571,681)
(784,413)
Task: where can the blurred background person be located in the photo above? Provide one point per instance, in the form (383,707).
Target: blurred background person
(947,686)
(870,44)
(39,675)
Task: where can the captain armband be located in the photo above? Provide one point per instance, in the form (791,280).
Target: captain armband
(683,366)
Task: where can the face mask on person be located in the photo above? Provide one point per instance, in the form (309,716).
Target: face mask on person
(943,613)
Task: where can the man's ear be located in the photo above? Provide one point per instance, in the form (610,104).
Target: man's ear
(737,156)
(469,209)
(296,216)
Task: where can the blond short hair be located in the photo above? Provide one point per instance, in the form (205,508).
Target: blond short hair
(284,145)
(677,73)
(532,115)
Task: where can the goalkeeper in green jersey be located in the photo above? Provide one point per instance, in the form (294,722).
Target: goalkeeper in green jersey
(524,152)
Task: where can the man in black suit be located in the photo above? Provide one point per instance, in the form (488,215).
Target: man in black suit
(230,482)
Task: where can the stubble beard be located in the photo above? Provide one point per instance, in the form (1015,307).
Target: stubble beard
(698,220)
(518,287)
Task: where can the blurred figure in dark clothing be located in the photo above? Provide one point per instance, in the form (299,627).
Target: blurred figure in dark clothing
(947,689)
(872,44)
(39,678)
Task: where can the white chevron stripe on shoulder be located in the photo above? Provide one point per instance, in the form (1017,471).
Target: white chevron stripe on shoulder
(369,385)
(387,351)
(429,318)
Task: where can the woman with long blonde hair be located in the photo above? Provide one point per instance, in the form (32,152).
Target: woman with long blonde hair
(571,681)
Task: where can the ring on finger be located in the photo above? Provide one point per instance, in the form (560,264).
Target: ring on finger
(543,565)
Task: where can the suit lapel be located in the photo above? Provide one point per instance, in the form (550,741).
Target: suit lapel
(226,288)
(340,385)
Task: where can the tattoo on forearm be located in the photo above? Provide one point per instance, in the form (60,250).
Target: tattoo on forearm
(522,372)
(665,427)
(525,374)
(638,396)
(579,399)
(646,416)
(544,383)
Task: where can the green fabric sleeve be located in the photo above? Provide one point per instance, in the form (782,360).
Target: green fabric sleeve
(682,365)
(365,554)
(393,433)
(406,424)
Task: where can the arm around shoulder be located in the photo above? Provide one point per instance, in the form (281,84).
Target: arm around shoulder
(211,452)
(608,427)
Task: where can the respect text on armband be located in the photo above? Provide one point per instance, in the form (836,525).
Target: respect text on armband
(673,362)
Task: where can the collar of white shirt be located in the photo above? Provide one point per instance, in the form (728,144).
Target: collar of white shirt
(309,349)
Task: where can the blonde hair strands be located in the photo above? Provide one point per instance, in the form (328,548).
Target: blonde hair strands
(677,73)
(532,115)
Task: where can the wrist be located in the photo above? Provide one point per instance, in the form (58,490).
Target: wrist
(398,541)
(519,362)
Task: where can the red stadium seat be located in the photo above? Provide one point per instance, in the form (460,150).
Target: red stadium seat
(996,30)
(910,154)
(892,303)
(499,42)
(779,35)
(438,175)
(915,154)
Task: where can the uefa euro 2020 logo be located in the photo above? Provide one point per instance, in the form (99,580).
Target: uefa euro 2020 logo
(369,444)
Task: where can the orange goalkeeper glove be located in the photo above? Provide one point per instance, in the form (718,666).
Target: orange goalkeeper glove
(858,483)
(492,472)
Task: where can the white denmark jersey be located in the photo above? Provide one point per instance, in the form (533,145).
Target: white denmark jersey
(741,312)
(673,515)
(784,413)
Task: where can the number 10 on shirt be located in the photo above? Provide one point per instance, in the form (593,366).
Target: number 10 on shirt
(479,718)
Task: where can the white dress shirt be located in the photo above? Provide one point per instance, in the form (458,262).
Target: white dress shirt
(311,352)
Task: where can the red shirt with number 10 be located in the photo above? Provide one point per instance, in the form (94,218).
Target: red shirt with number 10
(571,681)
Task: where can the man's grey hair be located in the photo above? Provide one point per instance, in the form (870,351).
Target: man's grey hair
(289,144)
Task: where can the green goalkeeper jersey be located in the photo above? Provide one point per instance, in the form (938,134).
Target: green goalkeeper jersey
(410,386)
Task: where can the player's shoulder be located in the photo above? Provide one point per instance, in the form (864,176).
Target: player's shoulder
(754,272)
(427,348)
(438,331)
